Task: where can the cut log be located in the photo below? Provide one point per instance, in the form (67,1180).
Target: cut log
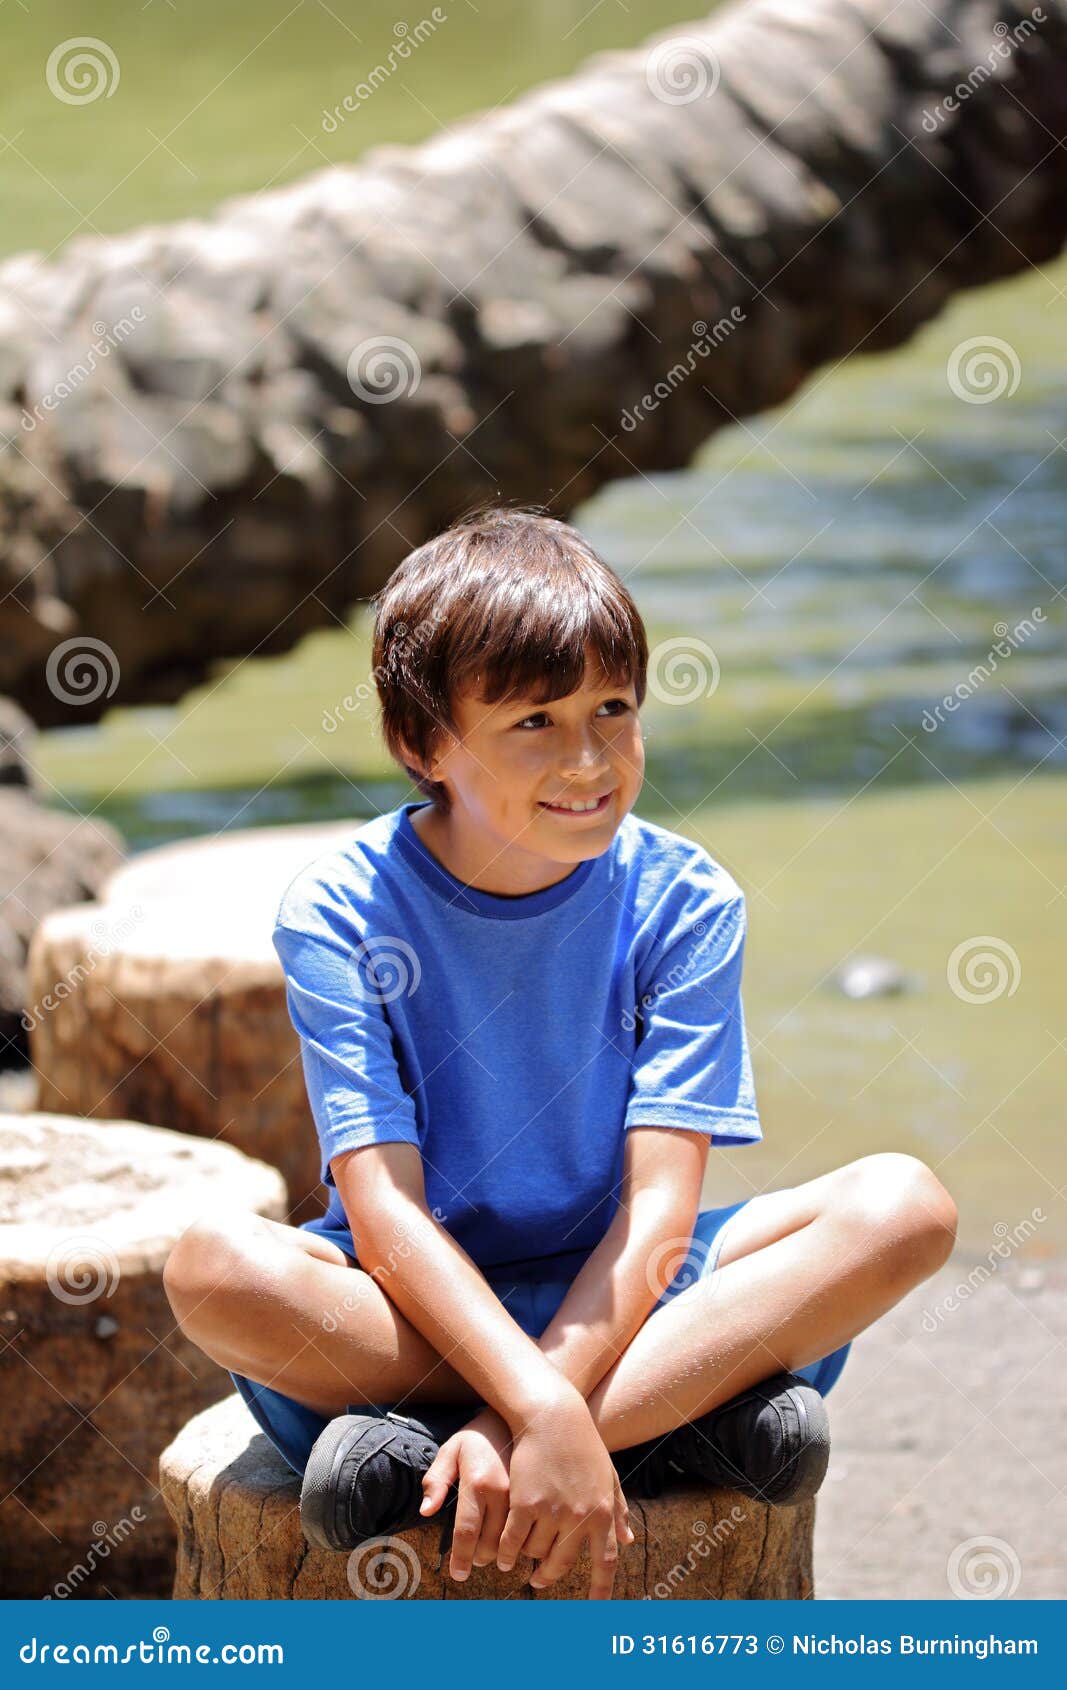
(166,1002)
(94,1376)
(236,1505)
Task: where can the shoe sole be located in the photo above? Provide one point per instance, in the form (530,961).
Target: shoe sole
(814,1450)
(318,1489)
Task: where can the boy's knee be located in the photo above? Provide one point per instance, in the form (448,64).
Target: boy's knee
(900,1206)
(210,1261)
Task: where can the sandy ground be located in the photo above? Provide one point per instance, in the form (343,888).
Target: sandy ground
(944,1436)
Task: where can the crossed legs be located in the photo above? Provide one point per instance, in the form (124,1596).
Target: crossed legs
(801,1272)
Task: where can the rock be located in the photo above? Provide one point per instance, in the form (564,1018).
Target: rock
(870,977)
(165,1002)
(16,734)
(48,860)
(94,1376)
(18,1091)
(236,1506)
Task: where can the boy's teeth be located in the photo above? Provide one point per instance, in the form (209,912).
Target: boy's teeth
(590,805)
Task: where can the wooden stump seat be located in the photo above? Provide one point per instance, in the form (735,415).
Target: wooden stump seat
(236,1505)
(94,1376)
(165,1001)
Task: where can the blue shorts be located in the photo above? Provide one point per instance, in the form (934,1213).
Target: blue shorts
(292,1428)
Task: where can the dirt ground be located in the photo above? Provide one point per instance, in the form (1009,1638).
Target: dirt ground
(949,1443)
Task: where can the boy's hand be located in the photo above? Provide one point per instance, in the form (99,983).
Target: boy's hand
(563,1490)
(477,1456)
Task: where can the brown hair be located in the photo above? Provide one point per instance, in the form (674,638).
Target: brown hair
(504,602)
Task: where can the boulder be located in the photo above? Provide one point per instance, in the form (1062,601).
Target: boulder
(94,1376)
(48,859)
(165,1002)
(236,1505)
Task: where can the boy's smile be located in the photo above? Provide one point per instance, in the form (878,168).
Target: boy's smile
(580,807)
(513,774)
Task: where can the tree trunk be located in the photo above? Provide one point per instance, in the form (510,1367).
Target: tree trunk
(262,411)
(165,1002)
(94,1375)
(236,1505)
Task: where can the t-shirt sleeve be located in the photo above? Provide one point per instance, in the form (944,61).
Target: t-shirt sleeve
(346,1047)
(691,1067)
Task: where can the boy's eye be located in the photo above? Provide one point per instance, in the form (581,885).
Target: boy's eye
(541,715)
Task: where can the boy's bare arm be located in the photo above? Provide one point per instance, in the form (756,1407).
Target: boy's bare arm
(436,1285)
(637,1258)
(384,1197)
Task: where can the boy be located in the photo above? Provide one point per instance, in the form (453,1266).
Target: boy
(521,1029)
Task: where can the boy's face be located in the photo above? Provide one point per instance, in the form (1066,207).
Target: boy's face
(516,764)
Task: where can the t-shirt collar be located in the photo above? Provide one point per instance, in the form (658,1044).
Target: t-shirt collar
(470,898)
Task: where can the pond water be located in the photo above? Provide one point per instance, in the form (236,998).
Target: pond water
(841,565)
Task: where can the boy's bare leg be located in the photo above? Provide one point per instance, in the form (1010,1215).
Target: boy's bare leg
(801,1272)
(288,1309)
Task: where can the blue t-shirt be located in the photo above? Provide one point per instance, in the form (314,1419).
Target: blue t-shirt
(514,1040)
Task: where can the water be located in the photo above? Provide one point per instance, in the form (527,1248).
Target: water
(847,562)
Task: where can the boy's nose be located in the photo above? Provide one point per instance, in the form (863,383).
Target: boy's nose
(584,765)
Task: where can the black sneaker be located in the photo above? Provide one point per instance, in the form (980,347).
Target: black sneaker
(364,1475)
(771,1442)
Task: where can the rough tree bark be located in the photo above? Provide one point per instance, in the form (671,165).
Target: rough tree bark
(48,859)
(515,287)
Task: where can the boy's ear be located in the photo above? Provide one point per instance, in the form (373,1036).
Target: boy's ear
(427,767)
(411,761)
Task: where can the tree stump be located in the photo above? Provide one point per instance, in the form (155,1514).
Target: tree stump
(165,1001)
(94,1376)
(236,1505)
